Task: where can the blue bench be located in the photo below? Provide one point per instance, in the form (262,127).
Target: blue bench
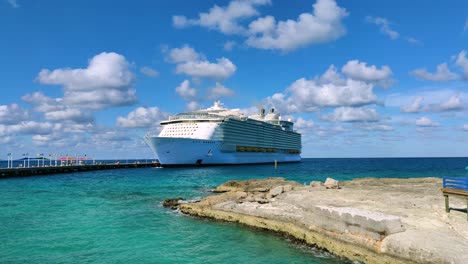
(455,186)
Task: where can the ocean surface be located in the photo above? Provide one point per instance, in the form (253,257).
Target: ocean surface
(115,216)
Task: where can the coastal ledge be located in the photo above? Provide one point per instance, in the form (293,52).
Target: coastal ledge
(369,220)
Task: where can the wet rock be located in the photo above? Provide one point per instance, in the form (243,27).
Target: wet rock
(331,183)
(173,203)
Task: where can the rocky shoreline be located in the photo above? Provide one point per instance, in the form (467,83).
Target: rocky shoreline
(368,220)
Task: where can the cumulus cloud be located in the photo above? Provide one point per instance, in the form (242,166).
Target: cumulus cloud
(185,91)
(149,72)
(360,71)
(442,74)
(193,64)
(453,103)
(462,62)
(12,114)
(70,114)
(302,125)
(219,91)
(328,90)
(142,117)
(106,82)
(324,24)
(426,122)
(43,103)
(183,54)
(352,114)
(224,19)
(219,71)
(384,26)
(465,127)
(29,128)
(414,107)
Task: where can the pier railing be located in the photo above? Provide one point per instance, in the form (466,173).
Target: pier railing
(32,171)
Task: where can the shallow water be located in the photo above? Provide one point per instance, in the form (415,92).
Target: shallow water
(116,216)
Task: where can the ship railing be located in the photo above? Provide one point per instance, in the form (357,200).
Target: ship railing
(196,117)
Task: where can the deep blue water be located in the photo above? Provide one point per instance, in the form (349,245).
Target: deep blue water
(116,216)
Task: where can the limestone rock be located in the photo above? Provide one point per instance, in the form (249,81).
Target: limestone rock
(316,184)
(241,195)
(287,188)
(331,184)
(264,189)
(276,191)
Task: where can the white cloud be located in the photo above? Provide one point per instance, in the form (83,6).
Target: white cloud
(352,114)
(193,106)
(384,26)
(302,125)
(106,82)
(14,3)
(183,54)
(328,90)
(29,128)
(193,64)
(465,127)
(426,122)
(360,71)
(453,103)
(219,91)
(149,71)
(465,28)
(142,117)
(43,103)
(224,19)
(70,114)
(12,114)
(442,74)
(186,91)
(229,45)
(414,107)
(320,26)
(462,62)
(218,71)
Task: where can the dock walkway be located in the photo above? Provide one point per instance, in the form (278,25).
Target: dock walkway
(32,171)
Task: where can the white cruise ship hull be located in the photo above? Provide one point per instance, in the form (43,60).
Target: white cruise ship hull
(192,152)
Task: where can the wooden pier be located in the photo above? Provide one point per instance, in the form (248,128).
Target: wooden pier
(47,170)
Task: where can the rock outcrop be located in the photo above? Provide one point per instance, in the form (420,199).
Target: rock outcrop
(369,220)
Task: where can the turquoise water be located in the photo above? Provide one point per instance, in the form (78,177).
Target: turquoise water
(116,216)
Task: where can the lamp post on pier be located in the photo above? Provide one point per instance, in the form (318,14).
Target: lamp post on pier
(8,160)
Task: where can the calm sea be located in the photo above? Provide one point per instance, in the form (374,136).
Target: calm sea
(116,216)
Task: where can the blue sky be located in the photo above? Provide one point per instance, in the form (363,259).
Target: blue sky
(359,78)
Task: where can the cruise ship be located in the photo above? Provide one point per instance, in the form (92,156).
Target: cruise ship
(217,136)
